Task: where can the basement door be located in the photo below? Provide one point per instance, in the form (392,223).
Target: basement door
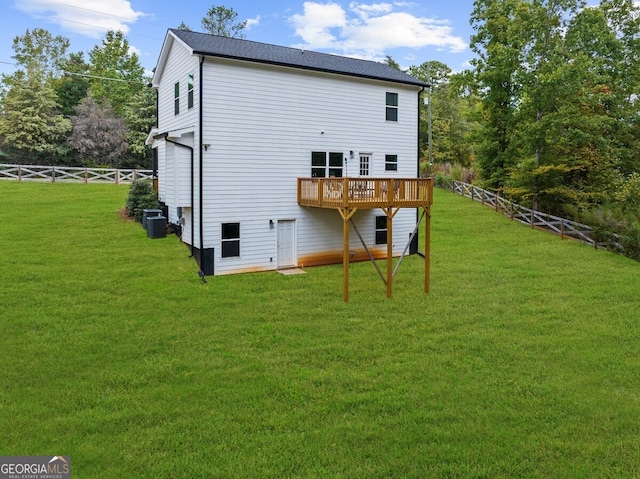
(286,243)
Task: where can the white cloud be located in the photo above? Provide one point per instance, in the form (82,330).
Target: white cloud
(316,23)
(366,11)
(252,22)
(367,30)
(86,17)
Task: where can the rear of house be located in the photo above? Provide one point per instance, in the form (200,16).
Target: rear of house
(239,122)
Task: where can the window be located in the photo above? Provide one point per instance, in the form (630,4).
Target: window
(364,165)
(230,240)
(391,162)
(325,164)
(392,106)
(190,91)
(381,230)
(176,98)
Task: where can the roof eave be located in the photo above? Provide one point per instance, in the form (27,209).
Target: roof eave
(416,83)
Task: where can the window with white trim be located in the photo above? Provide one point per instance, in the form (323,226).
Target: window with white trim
(190,91)
(392,106)
(176,98)
(326,164)
(390,162)
(230,240)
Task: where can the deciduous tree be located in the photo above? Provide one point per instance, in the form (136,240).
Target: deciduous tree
(98,134)
(116,73)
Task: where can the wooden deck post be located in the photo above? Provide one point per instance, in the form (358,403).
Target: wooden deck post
(427,248)
(389,252)
(346,214)
(345,258)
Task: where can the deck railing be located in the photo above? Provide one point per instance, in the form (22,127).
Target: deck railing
(365,192)
(71,174)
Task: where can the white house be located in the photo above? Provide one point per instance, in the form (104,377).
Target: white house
(240,122)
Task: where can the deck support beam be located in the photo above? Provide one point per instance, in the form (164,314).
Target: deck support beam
(347,195)
(427,248)
(346,214)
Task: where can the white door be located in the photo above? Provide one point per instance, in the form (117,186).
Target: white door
(365,163)
(286,243)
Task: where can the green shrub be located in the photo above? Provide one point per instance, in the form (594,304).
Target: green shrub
(141,196)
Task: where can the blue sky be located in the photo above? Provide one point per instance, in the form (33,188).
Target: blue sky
(412,32)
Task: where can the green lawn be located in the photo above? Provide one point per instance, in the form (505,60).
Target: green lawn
(522,361)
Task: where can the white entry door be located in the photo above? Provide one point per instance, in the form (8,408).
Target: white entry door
(286,243)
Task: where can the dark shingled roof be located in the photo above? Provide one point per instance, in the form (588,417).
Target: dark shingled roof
(224,47)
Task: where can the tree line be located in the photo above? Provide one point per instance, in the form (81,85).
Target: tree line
(59,108)
(549,112)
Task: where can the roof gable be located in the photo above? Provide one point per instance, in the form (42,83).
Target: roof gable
(246,50)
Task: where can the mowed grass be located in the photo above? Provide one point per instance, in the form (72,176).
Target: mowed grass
(522,361)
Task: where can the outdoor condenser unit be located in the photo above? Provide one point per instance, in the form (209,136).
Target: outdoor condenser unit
(156,227)
(148,213)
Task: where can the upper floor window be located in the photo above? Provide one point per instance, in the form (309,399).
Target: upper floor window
(325,164)
(176,98)
(391,162)
(392,106)
(190,91)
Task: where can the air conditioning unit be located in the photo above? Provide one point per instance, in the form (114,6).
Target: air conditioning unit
(156,227)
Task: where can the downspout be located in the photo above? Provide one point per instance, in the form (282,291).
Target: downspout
(200,162)
(418,218)
(419,124)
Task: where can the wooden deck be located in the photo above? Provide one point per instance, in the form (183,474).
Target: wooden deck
(367,193)
(348,195)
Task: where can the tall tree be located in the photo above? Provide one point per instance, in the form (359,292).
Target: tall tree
(72,87)
(450,116)
(98,135)
(31,125)
(39,50)
(497,43)
(221,21)
(140,117)
(115,71)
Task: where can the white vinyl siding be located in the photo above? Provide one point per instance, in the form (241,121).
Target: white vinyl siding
(262,125)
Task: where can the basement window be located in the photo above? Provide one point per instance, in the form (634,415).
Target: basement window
(381,230)
(392,106)
(230,240)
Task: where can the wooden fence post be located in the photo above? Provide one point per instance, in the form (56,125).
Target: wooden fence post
(19,172)
(53,174)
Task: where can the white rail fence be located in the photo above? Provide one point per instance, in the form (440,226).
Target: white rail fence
(55,174)
(560,226)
